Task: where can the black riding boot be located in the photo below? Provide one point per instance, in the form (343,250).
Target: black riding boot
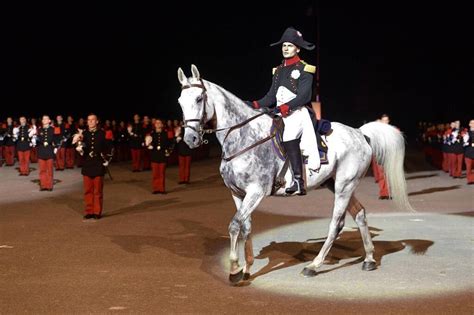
(294,155)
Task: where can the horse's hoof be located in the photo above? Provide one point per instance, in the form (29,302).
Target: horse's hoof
(246,276)
(369,265)
(308,272)
(236,278)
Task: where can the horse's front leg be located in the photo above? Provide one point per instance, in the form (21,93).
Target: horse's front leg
(242,224)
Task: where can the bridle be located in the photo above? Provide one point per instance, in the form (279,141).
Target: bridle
(201,130)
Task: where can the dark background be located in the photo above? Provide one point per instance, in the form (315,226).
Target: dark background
(117,58)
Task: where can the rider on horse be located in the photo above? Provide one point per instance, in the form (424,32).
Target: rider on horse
(290,92)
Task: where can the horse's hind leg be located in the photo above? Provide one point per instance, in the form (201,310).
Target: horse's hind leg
(343,194)
(357,211)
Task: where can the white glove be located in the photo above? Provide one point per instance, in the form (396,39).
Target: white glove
(466,139)
(150,147)
(55,150)
(178,139)
(106,163)
(79,149)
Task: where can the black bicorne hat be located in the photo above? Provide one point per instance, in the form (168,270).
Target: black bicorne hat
(291,35)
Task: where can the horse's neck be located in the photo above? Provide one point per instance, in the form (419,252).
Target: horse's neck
(230,110)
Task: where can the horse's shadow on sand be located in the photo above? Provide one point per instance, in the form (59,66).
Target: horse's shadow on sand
(348,245)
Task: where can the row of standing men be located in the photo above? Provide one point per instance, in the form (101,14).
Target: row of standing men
(95,147)
(449,147)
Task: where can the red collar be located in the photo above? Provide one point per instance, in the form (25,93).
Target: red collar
(291,61)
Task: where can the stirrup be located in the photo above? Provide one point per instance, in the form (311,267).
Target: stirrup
(296,189)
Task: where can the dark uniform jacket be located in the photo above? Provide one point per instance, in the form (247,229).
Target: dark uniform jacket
(9,141)
(183,148)
(297,78)
(45,143)
(60,135)
(137,137)
(456,143)
(160,144)
(122,136)
(69,132)
(23,142)
(95,153)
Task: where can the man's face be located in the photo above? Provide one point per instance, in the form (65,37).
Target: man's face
(22,121)
(158,124)
(452,125)
(70,120)
(289,50)
(146,120)
(59,119)
(136,118)
(9,120)
(45,120)
(471,124)
(92,121)
(33,121)
(385,120)
(457,124)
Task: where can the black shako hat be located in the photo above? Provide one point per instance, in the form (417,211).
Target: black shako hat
(293,36)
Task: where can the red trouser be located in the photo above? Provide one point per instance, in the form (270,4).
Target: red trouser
(375,170)
(70,154)
(445,164)
(24,159)
(136,159)
(469,170)
(46,173)
(34,155)
(60,158)
(184,168)
(93,194)
(146,159)
(158,182)
(456,164)
(9,154)
(380,178)
(383,187)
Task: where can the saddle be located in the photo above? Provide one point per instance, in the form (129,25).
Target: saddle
(321,128)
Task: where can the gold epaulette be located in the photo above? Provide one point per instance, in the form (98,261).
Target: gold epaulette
(308,68)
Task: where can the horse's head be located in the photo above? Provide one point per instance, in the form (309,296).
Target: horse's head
(195,106)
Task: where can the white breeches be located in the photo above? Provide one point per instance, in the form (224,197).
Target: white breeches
(299,125)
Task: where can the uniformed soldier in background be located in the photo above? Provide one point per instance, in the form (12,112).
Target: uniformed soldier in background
(158,145)
(46,153)
(9,143)
(71,130)
(24,138)
(468,140)
(91,144)
(184,157)
(136,143)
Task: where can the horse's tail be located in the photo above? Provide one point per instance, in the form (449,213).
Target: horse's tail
(388,146)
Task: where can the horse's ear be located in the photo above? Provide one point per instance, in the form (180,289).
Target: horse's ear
(181,77)
(195,72)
